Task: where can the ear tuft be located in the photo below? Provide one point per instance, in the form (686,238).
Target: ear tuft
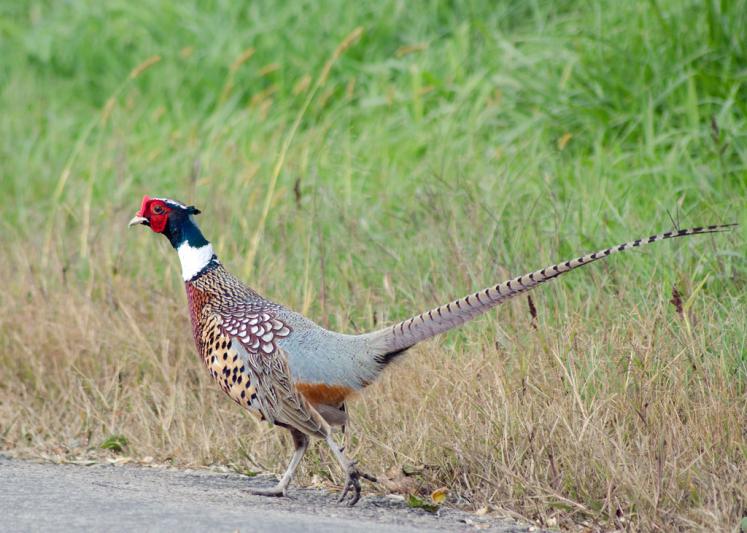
(192,210)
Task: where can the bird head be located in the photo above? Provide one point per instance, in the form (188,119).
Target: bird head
(176,222)
(162,215)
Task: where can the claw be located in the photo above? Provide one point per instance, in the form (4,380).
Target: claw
(342,496)
(353,475)
(353,482)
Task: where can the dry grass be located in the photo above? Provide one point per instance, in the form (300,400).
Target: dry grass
(444,148)
(636,424)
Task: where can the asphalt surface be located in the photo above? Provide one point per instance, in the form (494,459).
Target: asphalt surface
(60,498)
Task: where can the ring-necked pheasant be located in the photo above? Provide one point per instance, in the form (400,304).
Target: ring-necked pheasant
(291,372)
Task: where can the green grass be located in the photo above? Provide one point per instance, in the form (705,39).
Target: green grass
(450,145)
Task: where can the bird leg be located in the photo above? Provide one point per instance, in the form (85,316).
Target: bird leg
(353,475)
(301,443)
(334,416)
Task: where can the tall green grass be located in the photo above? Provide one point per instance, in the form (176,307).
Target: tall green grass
(449,145)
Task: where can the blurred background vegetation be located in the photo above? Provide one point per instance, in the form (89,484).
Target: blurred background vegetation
(360,161)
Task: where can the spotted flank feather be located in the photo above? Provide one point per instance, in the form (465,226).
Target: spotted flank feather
(394,340)
(237,335)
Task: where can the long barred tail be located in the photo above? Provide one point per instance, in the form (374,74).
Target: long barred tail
(391,341)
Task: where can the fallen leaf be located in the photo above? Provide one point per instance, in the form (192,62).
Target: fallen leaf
(439,495)
(417,503)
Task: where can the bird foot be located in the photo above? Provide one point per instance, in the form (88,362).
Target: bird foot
(277,491)
(352,482)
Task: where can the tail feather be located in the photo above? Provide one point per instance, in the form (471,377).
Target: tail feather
(389,342)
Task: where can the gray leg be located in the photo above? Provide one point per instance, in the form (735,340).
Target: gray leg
(301,442)
(352,473)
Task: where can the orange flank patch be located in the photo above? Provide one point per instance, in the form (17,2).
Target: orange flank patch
(321,393)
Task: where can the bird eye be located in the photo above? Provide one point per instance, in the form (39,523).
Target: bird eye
(157,209)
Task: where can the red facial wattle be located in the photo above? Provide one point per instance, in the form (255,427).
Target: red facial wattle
(157,221)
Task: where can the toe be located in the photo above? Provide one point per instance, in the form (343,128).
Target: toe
(344,493)
(271,491)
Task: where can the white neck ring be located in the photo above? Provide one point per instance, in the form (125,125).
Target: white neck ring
(194,259)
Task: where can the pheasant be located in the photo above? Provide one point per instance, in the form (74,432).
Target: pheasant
(287,370)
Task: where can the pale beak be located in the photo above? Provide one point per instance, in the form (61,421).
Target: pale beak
(138,220)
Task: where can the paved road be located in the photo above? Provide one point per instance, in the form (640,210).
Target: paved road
(60,498)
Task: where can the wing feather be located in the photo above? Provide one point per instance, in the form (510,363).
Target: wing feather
(254,332)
